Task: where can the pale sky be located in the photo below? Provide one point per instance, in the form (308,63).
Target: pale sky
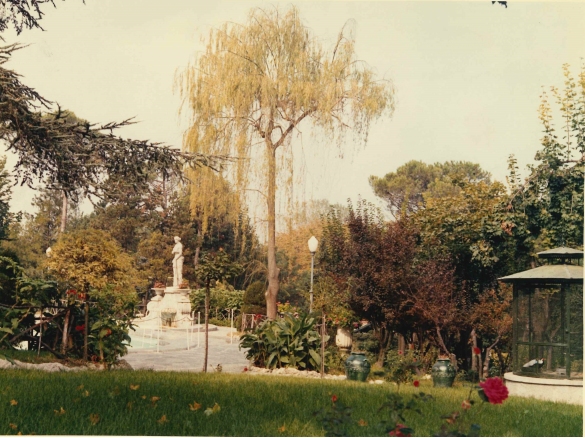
(468,75)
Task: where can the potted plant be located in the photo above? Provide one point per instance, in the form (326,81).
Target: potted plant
(158,289)
(343,318)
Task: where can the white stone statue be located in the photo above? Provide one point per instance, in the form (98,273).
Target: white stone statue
(178,262)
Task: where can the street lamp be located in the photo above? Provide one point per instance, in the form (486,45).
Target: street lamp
(313,244)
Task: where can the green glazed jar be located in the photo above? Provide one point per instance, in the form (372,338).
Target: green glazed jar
(443,373)
(357,367)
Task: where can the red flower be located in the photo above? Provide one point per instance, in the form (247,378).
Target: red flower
(416,383)
(245,369)
(80,328)
(333,398)
(108,332)
(71,292)
(476,351)
(466,404)
(495,390)
(400,352)
(397,431)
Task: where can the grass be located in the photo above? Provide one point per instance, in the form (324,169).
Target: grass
(27,356)
(158,403)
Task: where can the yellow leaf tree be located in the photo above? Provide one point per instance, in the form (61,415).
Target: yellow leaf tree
(256,84)
(91,260)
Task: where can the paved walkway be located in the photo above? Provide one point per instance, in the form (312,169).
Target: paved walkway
(173,354)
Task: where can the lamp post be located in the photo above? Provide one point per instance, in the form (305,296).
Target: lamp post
(313,244)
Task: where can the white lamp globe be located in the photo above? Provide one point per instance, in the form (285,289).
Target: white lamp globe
(313,244)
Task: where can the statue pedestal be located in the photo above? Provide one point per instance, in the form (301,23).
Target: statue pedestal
(174,303)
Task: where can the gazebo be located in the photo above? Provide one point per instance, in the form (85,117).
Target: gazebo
(547,312)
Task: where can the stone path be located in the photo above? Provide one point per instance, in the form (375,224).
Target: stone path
(173,355)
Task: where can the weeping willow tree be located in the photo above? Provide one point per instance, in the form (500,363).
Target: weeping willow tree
(256,84)
(211,198)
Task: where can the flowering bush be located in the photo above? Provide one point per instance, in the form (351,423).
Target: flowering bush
(337,420)
(341,317)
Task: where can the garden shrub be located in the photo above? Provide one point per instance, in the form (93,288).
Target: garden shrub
(254,298)
(401,366)
(335,360)
(367,343)
(222,322)
(284,342)
(109,327)
(220,299)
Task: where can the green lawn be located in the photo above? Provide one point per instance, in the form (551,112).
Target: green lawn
(69,403)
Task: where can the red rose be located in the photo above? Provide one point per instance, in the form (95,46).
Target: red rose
(476,351)
(495,390)
(416,383)
(333,398)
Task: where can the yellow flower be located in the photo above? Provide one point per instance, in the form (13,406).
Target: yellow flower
(130,405)
(134,387)
(13,426)
(162,420)
(143,397)
(195,406)
(80,387)
(86,393)
(94,419)
(13,402)
(60,411)
(362,422)
(282,428)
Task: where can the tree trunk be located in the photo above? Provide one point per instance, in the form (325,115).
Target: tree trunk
(486,364)
(273,286)
(206,327)
(475,359)
(384,341)
(85,328)
(452,357)
(502,362)
(197,249)
(441,342)
(63,214)
(65,330)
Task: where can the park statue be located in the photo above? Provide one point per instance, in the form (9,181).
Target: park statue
(178,262)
